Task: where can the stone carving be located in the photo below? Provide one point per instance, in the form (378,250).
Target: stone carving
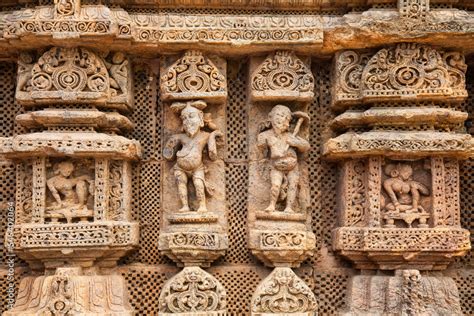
(70,292)
(67,7)
(194,76)
(189,162)
(404,195)
(283,146)
(406,293)
(70,193)
(283,293)
(403,221)
(74,75)
(282,76)
(193,292)
(225,29)
(398,72)
(414,9)
(399,144)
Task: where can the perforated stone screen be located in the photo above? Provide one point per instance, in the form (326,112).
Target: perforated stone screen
(146,270)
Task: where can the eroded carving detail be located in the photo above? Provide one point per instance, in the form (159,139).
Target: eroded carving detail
(189,158)
(406,293)
(283,292)
(283,148)
(405,196)
(193,291)
(282,76)
(67,7)
(414,9)
(70,193)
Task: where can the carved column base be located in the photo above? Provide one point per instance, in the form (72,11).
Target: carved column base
(406,293)
(193,248)
(193,292)
(287,248)
(282,293)
(69,292)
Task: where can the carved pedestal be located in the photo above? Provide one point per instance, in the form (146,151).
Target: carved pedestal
(193,230)
(399,179)
(73,195)
(280,234)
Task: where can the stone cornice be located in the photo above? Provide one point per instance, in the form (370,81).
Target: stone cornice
(311,34)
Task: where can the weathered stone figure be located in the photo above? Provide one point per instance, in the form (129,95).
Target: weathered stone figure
(70,193)
(283,147)
(119,72)
(189,158)
(404,192)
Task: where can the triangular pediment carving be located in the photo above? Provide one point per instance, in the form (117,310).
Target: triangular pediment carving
(282,76)
(194,76)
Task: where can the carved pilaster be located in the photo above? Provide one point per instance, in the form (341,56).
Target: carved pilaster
(279,221)
(73,197)
(194,224)
(408,155)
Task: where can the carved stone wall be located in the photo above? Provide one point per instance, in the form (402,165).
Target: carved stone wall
(363,125)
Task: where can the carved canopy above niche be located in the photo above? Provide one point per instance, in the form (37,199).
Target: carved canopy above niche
(282,76)
(407,71)
(194,76)
(74,75)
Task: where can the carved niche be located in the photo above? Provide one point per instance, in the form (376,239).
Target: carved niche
(74,75)
(399,207)
(282,76)
(407,71)
(279,221)
(194,223)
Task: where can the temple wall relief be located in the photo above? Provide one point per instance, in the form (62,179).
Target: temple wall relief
(399,185)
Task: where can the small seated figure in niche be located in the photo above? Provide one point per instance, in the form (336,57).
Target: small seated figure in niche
(405,197)
(70,193)
(403,191)
(283,146)
(189,157)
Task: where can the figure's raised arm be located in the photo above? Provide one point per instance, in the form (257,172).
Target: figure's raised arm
(212,143)
(171,147)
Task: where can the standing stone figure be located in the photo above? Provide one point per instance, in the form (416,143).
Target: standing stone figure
(189,157)
(283,146)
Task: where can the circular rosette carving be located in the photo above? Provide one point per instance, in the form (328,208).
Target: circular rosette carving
(69,78)
(192,290)
(283,292)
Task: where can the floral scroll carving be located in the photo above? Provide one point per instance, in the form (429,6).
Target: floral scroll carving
(407,71)
(283,292)
(193,291)
(194,76)
(74,75)
(282,76)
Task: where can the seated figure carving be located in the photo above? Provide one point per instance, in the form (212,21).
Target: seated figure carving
(70,194)
(188,148)
(404,194)
(283,146)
